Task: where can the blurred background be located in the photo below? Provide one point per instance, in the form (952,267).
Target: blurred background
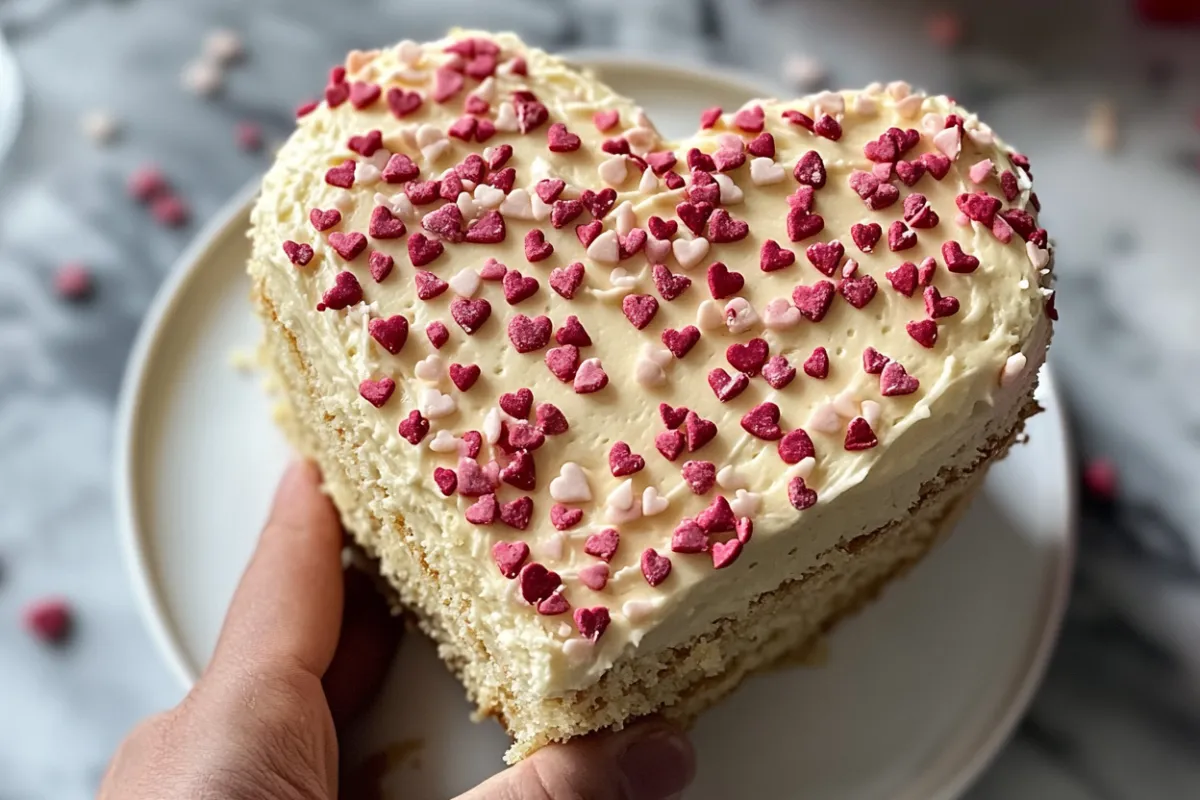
(1104,95)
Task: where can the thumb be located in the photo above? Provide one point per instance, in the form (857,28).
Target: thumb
(647,761)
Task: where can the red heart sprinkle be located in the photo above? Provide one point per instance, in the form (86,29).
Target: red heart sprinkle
(500,156)
(473,442)
(592,622)
(725,553)
(423,250)
(524,436)
(474,104)
(874,361)
(520,471)
(483,511)
(866,236)
(563,518)
(324,220)
(799,495)
(446,222)
(403,103)
(342,175)
(531,113)
(639,309)
(926,270)
(599,203)
(560,140)
(700,476)
(828,127)
(817,364)
(447,83)
(377,392)
(669,285)
(566,280)
(744,529)
(725,386)
(749,119)
(900,237)
(694,215)
(918,212)
(709,117)
(661,162)
(563,362)
(437,333)
(772,257)
(536,246)
(572,332)
(606,120)
(367,144)
(364,94)
(859,435)
(380,265)
(304,109)
(903,278)
(622,461)
(464,377)
(391,333)
(762,146)
(549,189)
(814,301)
(937,306)
(1008,185)
(588,232)
(689,537)
(826,256)
(924,331)
(858,291)
(810,170)
(591,377)
(616,147)
(632,243)
(550,420)
(537,583)
(910,171)
(517,287)
(345,292)
(384,225)
(298,254)
(956,260)
(672,417)
(673,180)
(509,556)
(422,193)
(698,431)
(488,229)
(49,620)
(723,228)
(937,164)
(978,206)
(895,381)
(763,421)
(655,568)
(881,150)
(778,372)
(446,480)
(517,404)
(801,225)
(680,342)
(723,282)
(414,427)
(670,444)
(429,285)
(503,179)
(337,93)
(348,245)
(748,357)
(1020,221)
(662,229)
(517,514)
(565,211)
(718,517)
(463,128)
(796,446)
(470,314)
(882,171)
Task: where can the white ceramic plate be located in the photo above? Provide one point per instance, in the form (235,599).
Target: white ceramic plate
(919,691)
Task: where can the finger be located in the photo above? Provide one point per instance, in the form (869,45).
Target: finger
(370,634)
(287,610)
(647,761)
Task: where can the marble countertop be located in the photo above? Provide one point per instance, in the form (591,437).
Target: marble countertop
(1119,714)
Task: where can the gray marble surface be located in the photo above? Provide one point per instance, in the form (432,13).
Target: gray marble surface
(1119,714)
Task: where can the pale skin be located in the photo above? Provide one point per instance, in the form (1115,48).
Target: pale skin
(304,647)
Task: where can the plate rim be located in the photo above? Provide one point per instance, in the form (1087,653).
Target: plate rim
(133,542)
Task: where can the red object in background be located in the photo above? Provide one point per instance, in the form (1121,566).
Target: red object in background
(1100,480)
(48,620)
(1169,11)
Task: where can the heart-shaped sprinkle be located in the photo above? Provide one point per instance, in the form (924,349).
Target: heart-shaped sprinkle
(858,291)
(422,193)
(423,250)
(563,362)
(348,245)
(725,386)
(437,333)
(548,189)
(639,309)
(956,260)
(550,420)
(817,364)
(924,332)
(937,306)
(464,377)
(341,176)
(380,265)
(563,518)
(573,332)
(772,257)
(723,282)
(536,582)
(749,119)
(780,314)
(698,431)
(796,446)
(400,169)
(694,215)
(725,553)
(523,436)
(377,392)
(384,225)
(655,568)
(592,622)
(723,228)
(978,206)
(672,417)
(900,237)
(603,544)
(594,576)
(429,285)
(446,480)
(926,271)
(566,280)
(799,495)
(814,301)
(472,443)
(509,556)
(536,246)
(903,278)
(669,285)
(919,213)
(588,232)
(748,357)
(778,372)
(517,404)
(590,377)
(517,513)
(560,140)
(470,314)
(345,292)
(606,120)
(571,485)
(895,381)
(599,203)
(670,444)
(801,225)
(910,171)
(762,146)
(688,536)
(718,517)
(763,421)
(873,361)
(564,212)
(866,236)
(446,222)
(622,461)
(520,472)
(680,342)
(810,170)
(414,427)
(825,256)
(473,480)
(881,150)
(859,435)
(483,511)
(324,220)
(298,254)
(517,287)
(488,229)
(700,476)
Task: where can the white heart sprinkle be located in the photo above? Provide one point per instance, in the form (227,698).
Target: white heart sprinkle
(1013,367)
(637,610)
(659,355)
(745,503)
(709,316)
(931,123)
(652,502)
(435,405)
(730,141)
(910,106)
(551,548)
(641,139)
(825,419)
(740,316)
(433,152)
(429,134)
(730,193)
(344,201)
(764,171)
(409,52)
(517,205)
(399,205)
(620,278)
(613,170)
(649,182)
(487,90)
(430,369)
(648,373)
(805,466)
(832,103)
(571,485)
(1038,256)
(626,218)
(981,134)
(605,248)
(488,196)
(577,649)
(506,117)
(380,159)
(871,412)
(949,141)
(980,171)
(622,496)
(846,404)
(865,105)
(465,283)
(467,206)
(541,210)
(689,252)
(899,89)
(729,478)
(445,442)
(492,425)
(657,249)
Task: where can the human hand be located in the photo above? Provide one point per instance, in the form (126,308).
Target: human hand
(304,647)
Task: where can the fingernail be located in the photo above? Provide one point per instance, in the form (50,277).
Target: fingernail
(658,766)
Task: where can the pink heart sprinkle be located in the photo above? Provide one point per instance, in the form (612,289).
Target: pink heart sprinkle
(595,576)
(464,376)
(429,285)
(688,536)
(367,144)
(655,568)
(517,513)
(709,117)
(345,292)
(560,140)
(622,461)
(923,331)
(563,362)
(680,342)
(470,314)
(749,119)
(725,159)
(590,377)
(603,544)
(859,435)
(725,386)
(639,309)
(828,127)
(698,431)
(342,175)
(900,237)
(348,245)
(796,446)
(672,417)
(548,190)
(772,257)
(873,361)
(669,285)
(403,103)
(563,518)
(725,553)
(472,443)
(422,250)
(517,404)
(523,436)
(566,280)
(298,254)
(800,496)
(414,427)
(380,265)
(763,421)
(364,94)
(488,229)
(509,556)
(384,225)
(910,171)
(778,373)
(717,517)
(814,301)
(825,256)
(817,364)
(723,228)
(748,357)
(801,225)
(592,622)
(324,220)
(377,392)
(606,120)
(700,476)
(895,381)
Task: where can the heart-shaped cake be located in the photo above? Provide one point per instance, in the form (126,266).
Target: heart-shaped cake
(624,419)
